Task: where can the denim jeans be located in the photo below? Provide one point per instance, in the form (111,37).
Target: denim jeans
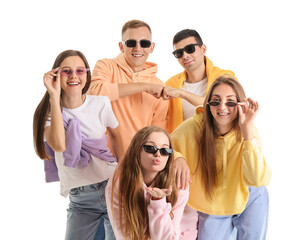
(86,209)
(251,224)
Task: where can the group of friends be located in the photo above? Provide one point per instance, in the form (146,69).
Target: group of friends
(143,159)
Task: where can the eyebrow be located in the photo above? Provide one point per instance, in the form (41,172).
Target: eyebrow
(165,144)
(216,95)
(77,67)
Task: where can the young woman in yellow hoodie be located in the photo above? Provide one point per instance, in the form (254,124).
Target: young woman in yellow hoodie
(228,170)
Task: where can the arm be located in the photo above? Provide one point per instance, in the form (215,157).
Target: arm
(255,171)
(113,209)
(126,89)
(116,142)
(165,220)
(55,133)
(182,172)
(102,83)
(170,92)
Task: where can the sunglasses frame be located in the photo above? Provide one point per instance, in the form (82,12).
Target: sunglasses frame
(72,71)
(228,104)
(162,151)
(141,42)
(185,49)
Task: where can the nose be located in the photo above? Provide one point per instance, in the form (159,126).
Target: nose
(157,154)
(73,74)
(222,105)
(185,55)
(137,47)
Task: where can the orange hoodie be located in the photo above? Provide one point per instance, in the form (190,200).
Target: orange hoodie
(135,111)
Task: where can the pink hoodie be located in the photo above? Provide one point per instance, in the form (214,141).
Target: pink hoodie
(161,226)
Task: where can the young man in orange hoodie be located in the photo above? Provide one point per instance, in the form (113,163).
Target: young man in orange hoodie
(131,83)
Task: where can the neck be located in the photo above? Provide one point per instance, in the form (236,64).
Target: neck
(72,101)
(148,178)
(196,75)
(224,129)
(137,69)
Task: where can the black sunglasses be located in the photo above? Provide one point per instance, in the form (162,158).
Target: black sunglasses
(217,103)
(131,43)
(178,53)
(153,150)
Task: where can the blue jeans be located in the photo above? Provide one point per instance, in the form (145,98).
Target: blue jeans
(86,209)
(251,224)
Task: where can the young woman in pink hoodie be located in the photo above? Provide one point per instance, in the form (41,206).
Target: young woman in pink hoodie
(142,199)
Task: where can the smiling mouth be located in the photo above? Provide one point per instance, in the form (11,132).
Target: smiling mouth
(73,83)
(137,54)
(223,114)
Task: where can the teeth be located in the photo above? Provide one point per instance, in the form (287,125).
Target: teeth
(73,83)
(137,55)
(223,114)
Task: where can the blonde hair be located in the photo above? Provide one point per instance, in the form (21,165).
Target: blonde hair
(207,155)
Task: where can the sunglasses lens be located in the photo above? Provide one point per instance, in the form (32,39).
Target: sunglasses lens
(80,71)
(189,48)
(145,43)
(166,151)
(214,103)
(149,149)
(178,53)
(231,104)
(130,43)
(66,72)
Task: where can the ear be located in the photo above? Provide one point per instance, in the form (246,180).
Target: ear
(121,47)
(152,47)
(203,47)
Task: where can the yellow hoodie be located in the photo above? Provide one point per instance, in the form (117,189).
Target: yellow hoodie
(240,165)
(132,112)
(175,115)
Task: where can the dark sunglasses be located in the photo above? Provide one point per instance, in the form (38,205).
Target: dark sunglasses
(178,53)
(132,43)
(217,103)
(153,150)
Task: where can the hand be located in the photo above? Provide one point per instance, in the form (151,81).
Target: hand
(247,110)
(182,173)
(155,89)
(170,92)
(53,87)
(157,193)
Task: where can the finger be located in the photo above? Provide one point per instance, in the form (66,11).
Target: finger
(178,179)
(58,76)
(183,180)
(240,110)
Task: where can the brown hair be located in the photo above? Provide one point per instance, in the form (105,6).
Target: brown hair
(135,24)
(132,206)
(43,109)
(207,156)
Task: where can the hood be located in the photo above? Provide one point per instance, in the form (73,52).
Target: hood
(149,71)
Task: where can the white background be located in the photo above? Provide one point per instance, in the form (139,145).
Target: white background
(263,42)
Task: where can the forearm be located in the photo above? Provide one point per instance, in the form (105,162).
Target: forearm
(55,133)
(116,142)
(127,89)
(191,98)
(256,172)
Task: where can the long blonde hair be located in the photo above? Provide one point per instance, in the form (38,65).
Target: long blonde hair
(207,156)
(132,206)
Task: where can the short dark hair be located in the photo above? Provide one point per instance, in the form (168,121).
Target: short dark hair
(134,24)
(187,33)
